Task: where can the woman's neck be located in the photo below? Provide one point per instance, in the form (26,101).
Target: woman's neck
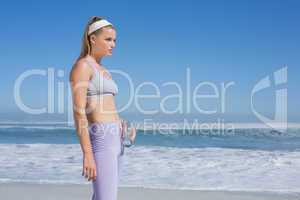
(96,58)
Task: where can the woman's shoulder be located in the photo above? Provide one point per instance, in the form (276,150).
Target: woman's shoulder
(81,63)
(80,68)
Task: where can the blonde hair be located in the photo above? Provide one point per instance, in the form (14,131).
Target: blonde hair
(86,44)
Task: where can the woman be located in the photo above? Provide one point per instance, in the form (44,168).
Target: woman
(97,122)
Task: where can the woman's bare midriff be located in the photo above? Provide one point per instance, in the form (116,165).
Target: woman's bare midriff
(101,109)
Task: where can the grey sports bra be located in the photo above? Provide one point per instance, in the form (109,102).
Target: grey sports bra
(100,85)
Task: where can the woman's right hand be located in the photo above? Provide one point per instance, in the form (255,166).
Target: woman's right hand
(89,167)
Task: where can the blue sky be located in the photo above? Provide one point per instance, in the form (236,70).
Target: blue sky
(220,41)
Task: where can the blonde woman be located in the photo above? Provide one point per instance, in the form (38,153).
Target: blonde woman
(97,122)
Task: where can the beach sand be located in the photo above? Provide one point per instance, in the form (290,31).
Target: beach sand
(25,191)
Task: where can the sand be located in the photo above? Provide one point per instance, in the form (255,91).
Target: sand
(26,191)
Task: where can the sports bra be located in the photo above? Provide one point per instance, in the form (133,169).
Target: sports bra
(100,85)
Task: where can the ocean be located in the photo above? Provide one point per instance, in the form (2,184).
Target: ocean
(250,159)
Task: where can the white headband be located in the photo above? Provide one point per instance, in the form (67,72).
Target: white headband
(97,25)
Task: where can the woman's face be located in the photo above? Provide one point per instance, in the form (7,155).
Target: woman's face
(103,43)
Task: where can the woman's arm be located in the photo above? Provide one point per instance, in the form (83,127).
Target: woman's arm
(79,78)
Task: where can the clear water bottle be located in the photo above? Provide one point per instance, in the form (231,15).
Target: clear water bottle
(127,135)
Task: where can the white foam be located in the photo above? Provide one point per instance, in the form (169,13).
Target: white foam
(151,125)
(160,167)
(213,168)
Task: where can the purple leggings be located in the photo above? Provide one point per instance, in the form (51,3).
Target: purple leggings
(106,146)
